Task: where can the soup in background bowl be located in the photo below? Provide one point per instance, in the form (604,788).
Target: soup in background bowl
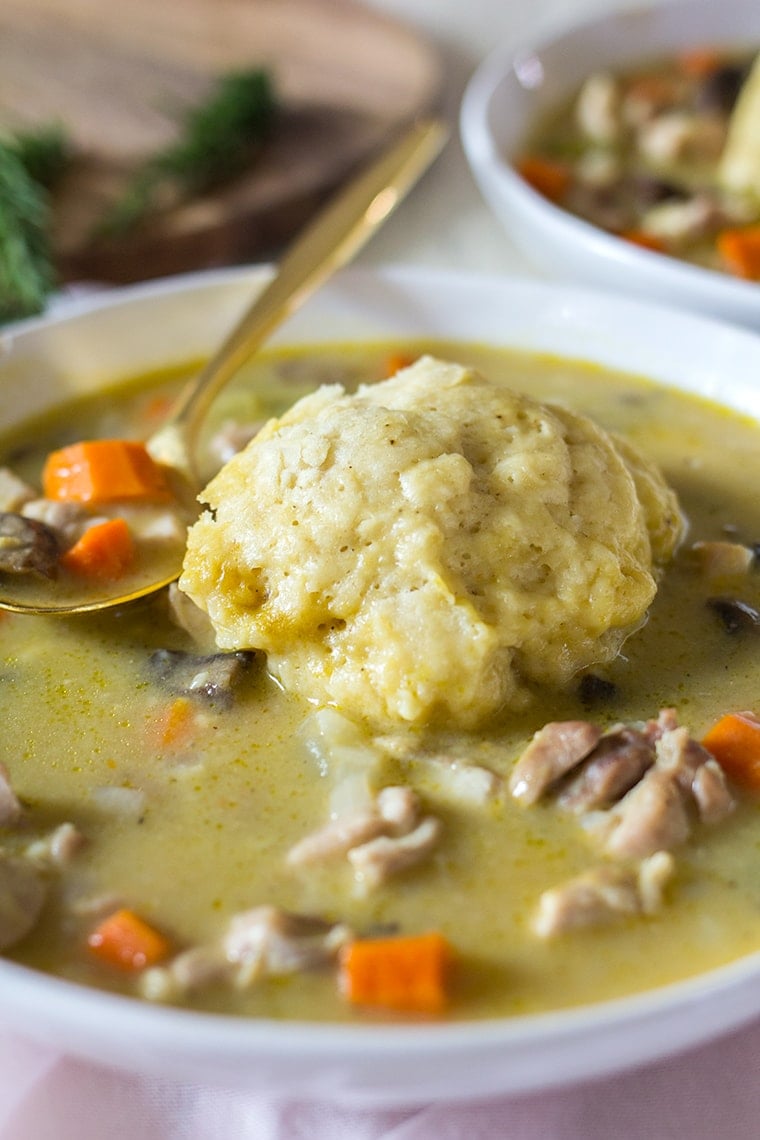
(202,907)
(521,85)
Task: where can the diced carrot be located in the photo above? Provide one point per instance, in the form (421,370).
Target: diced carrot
(103,471)
(126,941)
(740,250)
(407,973)
(734,741)
(700,62)
(105,551)
(174,726)
(396,361)
(548,176)
(646,241)
(651,88)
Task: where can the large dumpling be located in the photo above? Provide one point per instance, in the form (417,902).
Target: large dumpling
(433,547)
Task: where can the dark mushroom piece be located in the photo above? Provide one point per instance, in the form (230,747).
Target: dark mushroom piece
(211,676)
(736,616)
(594,689)
(27,546)
(647,191)
(719,90)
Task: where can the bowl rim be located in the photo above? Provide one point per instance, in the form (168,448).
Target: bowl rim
(496,174)
(380,1063)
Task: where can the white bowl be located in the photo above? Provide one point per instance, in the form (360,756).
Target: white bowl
(145,327)
(519,82)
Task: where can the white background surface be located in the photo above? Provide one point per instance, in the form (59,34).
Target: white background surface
(446,223)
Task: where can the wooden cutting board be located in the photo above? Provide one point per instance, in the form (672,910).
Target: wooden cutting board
(115,75)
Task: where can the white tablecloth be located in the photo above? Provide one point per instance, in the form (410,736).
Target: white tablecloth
(712,1093)
(709,1093)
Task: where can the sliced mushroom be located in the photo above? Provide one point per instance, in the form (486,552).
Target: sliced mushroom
(211,676)
(720,88)
(27,546)
(736,616)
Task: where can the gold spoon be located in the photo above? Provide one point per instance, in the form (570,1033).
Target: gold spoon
(327,243)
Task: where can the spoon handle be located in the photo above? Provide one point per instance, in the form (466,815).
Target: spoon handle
(326,244)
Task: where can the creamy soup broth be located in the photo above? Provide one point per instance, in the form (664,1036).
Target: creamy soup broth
(190,833)
(639,152)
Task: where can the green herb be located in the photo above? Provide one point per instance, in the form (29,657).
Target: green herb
(45,153)
(218,140)
(26,270)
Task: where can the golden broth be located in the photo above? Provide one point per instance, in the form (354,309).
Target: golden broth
(218,815)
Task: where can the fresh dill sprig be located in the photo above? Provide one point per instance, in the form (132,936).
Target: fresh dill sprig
(26,266)
(217,141)
(45,152)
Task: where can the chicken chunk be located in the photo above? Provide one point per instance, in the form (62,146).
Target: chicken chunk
(651,817)
(554,750)
(603,894)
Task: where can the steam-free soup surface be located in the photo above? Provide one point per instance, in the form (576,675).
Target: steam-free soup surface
(190,826)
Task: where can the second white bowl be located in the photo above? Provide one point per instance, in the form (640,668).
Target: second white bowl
(516,84)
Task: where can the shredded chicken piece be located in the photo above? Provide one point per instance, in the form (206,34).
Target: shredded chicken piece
(603,894)
(680,220)
(184,613)
(667,719)
(597,109)
(599,169)
(263,942)
(270,941)
(188,972)
(337,838)
(677,135)
(678,753)
(68,520)
(651,817)
(157,525)
(14,492)
(590,899)
(711,793)
(463,783)
(619,760)
(59,847)
(399,808)
(654,874)
(698,774)
(554,750)
(376,861)
(393,813)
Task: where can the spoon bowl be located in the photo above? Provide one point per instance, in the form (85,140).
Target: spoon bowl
(329,242)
